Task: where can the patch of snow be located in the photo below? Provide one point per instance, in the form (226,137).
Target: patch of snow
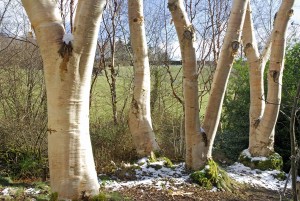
(247,153)
(67,38)
(142,160)
(126,165)
(5,191)
(153,174)
(12,191)
(32,191)
(214,189)
(256,178)
(162,177)
(158,163)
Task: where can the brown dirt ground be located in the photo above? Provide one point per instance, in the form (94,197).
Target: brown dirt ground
(188,193)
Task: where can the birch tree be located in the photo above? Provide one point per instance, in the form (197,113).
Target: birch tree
(199,140)
(140,122)
(186,36)
(68,63)
(228,52)
(264,112)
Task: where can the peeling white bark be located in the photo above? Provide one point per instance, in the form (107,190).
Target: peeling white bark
(72,168)
(265,131)
(140,122)
(256,64)
(186,35)
(229,49)
(199,140)
(263,116)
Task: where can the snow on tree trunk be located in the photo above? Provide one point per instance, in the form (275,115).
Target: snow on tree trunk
(68,69)
(140,122)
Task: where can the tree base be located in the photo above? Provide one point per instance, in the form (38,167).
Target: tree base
(272,162)
(213,176)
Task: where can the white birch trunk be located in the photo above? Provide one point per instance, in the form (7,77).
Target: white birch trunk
(199,141)
(72,168)
(140,122)
(256,64)
(229,50)
(264,144)
(186,36)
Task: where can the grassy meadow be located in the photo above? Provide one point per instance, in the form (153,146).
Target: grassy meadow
(23,118)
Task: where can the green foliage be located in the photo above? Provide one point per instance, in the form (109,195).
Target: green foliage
(20,163)
(105,140)
(100,197)
(168,129)
(23,140)
(234,135)
(23,114)
(17,190)
(126,173)
(291,76)
(281,176)
(273,162)
(5,181)
(212,175)
(200,178)
(54,196)
(109,196)
(166,111)
(152,157)
(168,162)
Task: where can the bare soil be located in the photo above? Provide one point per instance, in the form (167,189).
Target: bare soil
(188,193)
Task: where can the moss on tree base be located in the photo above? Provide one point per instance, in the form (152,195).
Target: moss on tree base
(213,176)
(155,157)
(272,162)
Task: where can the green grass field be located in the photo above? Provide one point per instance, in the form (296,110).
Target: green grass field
(101,106)
(16,84)
(23,115)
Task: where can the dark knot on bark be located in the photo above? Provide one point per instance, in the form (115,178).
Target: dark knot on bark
(291,12)
(275,75)
(189,33)
(65,49)
(172,6)
(235,45)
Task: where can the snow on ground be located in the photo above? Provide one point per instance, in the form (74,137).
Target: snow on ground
(247,153)
(5,192)
(32,191)
(152,174)
(256,178)
(177,176)
(8,191)
(159,176)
